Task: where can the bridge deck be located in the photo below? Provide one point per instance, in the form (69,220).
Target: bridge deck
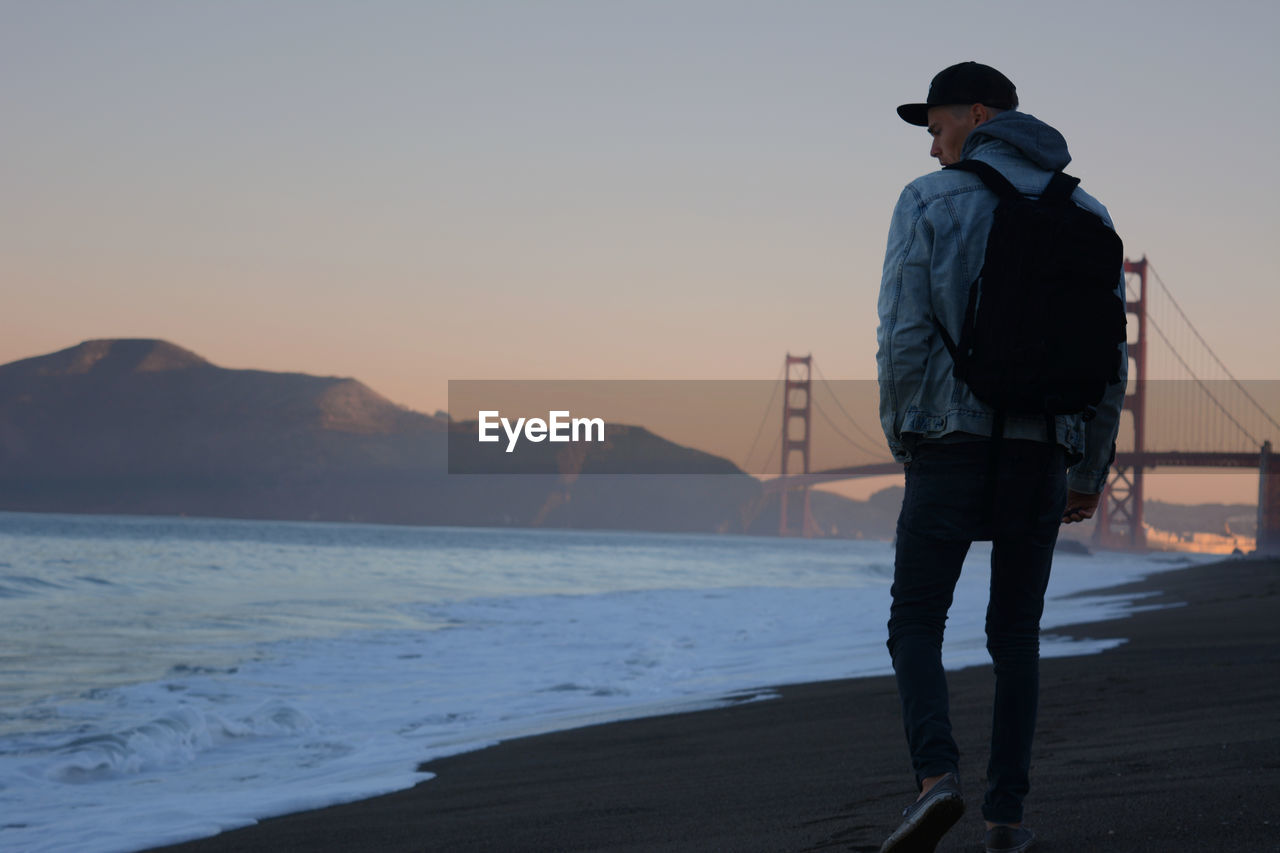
(1174,459)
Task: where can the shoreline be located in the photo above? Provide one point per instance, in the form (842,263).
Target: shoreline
(1168,741)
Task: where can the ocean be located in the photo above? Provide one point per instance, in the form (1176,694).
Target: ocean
(163,679)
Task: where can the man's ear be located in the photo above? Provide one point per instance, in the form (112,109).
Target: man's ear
(978,113)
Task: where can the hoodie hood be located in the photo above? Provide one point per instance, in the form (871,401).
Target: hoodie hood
(1034,139)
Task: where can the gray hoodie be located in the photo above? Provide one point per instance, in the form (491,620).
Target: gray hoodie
(1033,139)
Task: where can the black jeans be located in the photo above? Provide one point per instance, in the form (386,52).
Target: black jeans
(954,497)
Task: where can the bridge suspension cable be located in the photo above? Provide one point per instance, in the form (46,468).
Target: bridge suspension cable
(768,460)
(1200,382)
(1208,349)
(874,439)
(768,407)
(838,431)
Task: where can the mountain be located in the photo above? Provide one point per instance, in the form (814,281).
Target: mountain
(144,426)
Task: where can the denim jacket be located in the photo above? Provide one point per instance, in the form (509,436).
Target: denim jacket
(937,240)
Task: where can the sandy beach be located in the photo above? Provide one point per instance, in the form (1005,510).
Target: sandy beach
(1170,742)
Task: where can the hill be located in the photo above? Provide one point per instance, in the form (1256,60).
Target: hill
(144,426)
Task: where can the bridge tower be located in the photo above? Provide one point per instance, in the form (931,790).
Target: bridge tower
(796,406)
(1268,541)
(1119,520)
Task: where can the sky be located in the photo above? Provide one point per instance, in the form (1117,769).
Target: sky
(413,192)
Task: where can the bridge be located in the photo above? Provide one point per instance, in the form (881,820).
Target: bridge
(1183,409)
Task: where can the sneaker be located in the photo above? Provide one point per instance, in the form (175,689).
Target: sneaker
(1008,839)
(925,821)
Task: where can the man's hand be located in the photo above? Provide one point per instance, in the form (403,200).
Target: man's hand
(1080,506)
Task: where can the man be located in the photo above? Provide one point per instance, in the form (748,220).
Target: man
(957,491)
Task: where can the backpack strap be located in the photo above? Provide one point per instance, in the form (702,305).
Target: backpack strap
(1060,188)
(971,308)
(990,176)
(947,340)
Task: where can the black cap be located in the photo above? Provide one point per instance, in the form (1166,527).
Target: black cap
(966,83)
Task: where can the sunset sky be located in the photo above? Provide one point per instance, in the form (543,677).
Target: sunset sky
(412,192)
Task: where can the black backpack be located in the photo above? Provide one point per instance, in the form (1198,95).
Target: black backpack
(1043,325)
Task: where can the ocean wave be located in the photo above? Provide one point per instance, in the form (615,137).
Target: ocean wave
(176,738)
(15,586)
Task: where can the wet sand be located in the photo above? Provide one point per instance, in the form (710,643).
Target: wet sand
(1170,742)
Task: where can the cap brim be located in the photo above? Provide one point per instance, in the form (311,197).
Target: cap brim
(917,114)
